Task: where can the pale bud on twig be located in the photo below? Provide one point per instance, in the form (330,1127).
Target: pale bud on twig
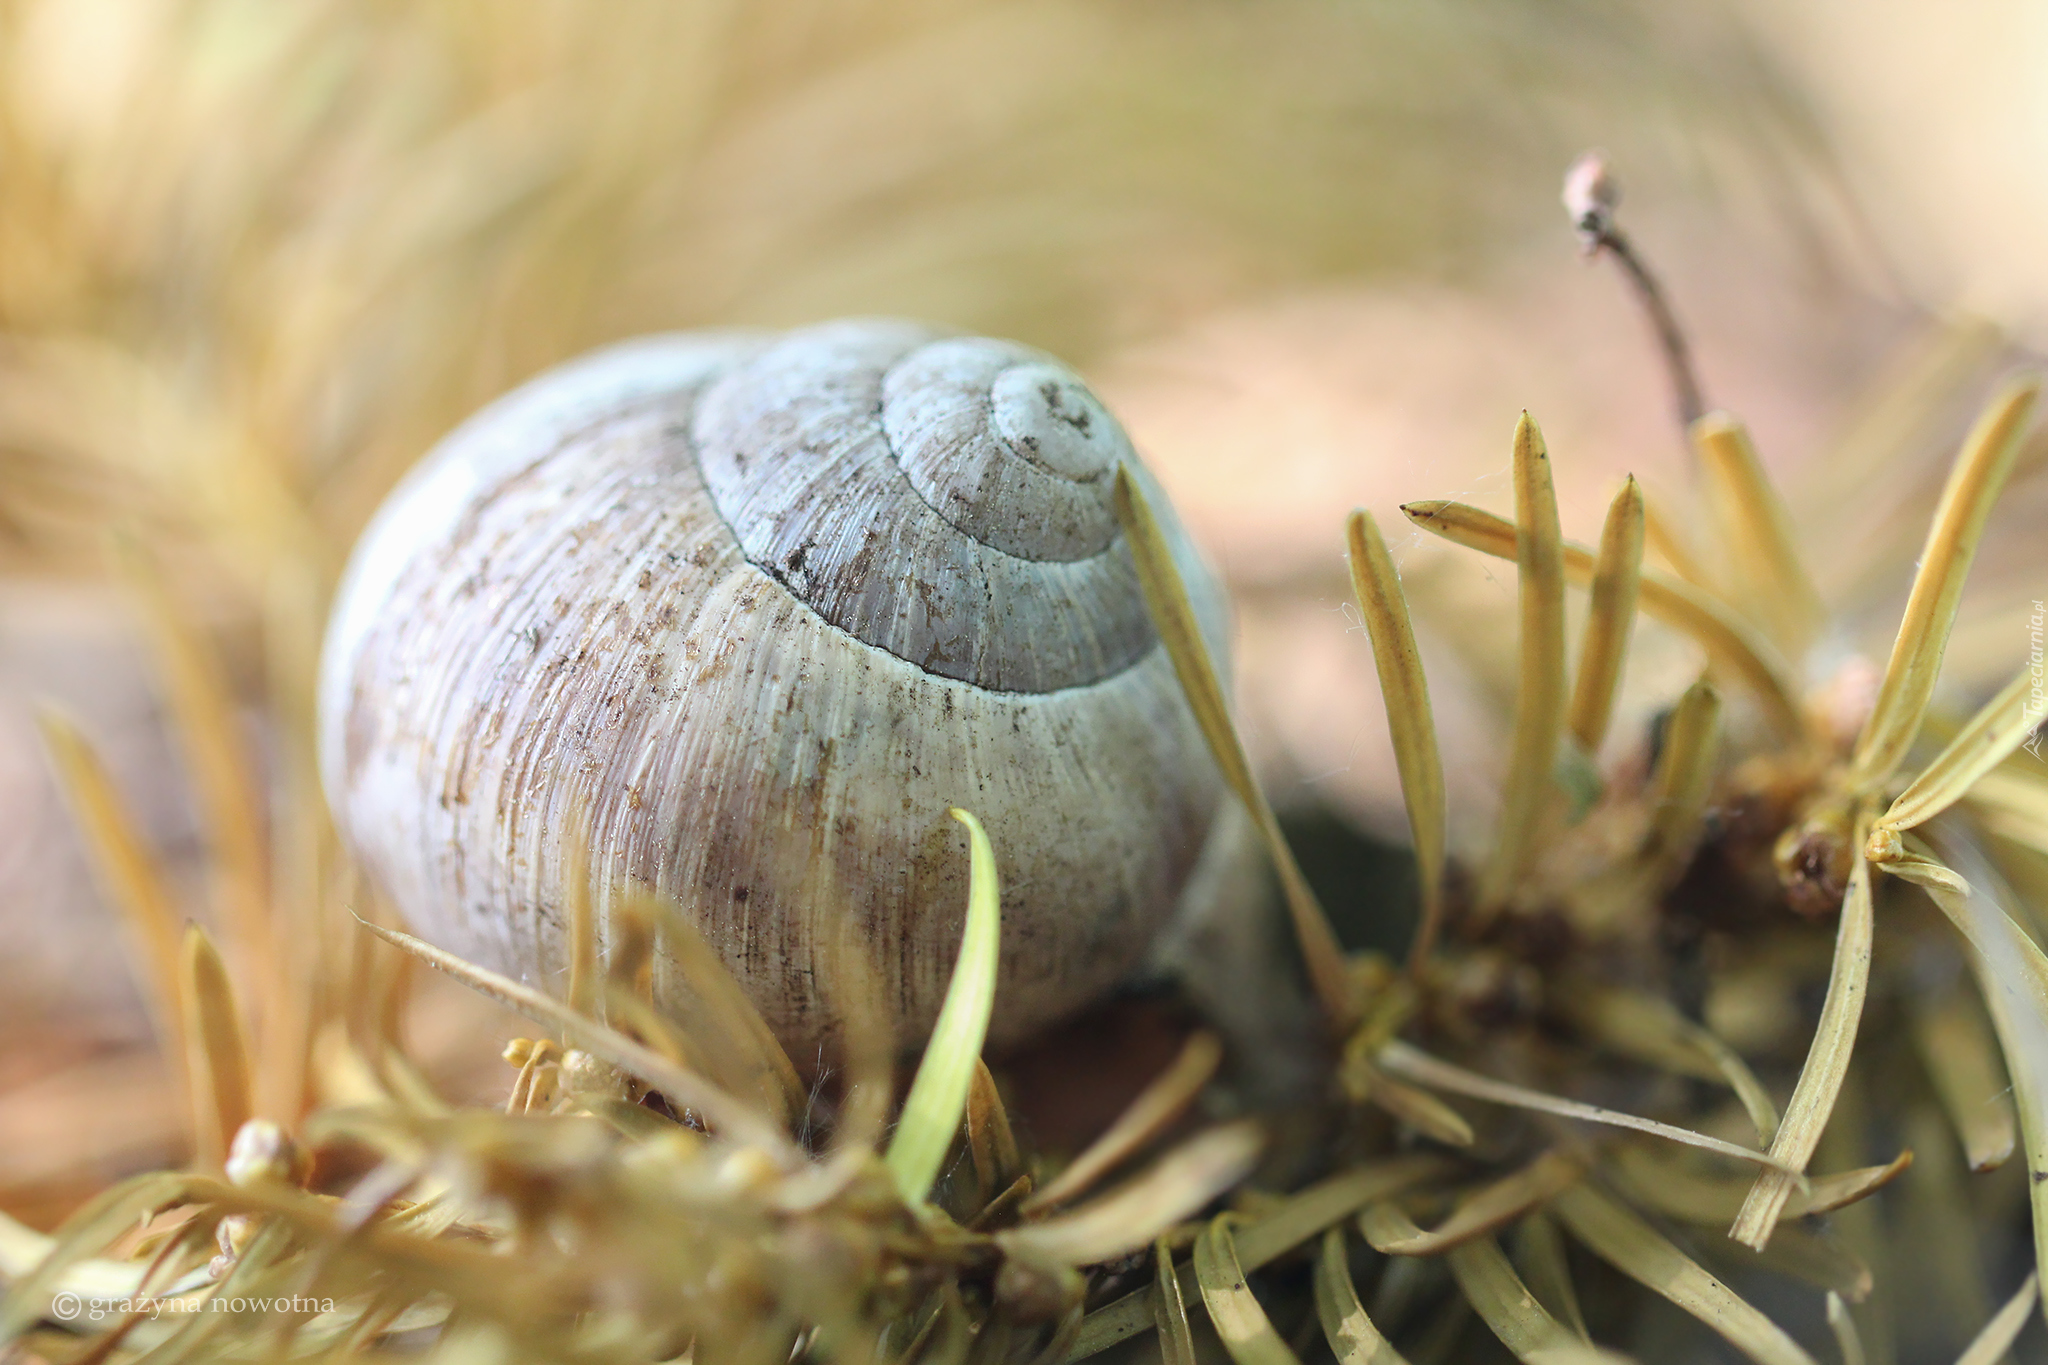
(1590,195)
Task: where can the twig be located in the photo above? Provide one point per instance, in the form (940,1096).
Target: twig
(1590,195)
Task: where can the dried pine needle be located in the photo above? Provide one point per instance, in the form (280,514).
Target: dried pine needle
(1540,1256)
(1692,1196)
(87,1233)
(1827,1062)
(1610,618)
(1351,1334)
(1410,723)
(854,992)
(1848,1341)
(130,873)
(1173,616)
(585,977)
(1477,1214)
(718,1014)
(219,1065)
(1129,1217)
(1990,737)
(1991,933)
(1973,487)
(1297,1218)
(1645,1255)
(991,1144)
(1246,1331)
(1991,1344)
(1683,780)
(1512,1313)
(1961,1057)
(2012,806)
(1663,538)
(1424,1069)
(1145,1118)
(938,1094)
(1417,1108)
(1651,1028)
(1541,696)
(2012,980)
(1770,583)
(222,772)
(1729,641)
(1169,1310)
(1304,1215)
(683,1089)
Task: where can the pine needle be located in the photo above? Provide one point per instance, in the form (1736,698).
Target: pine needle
(1848,1341)
(1145,1118)
(1424,1069)
(1990,931)
(129,875)
(1477,1214)
(84,1235)
(1540,696)
(1990,1345)
(223,774)
(2012,979)
(1540,1256)
(1351,1334)
(1169,1310)
(852,990)
(1973,487)
(720,1017)
(1663,538)
(1512,1313)
(219,1066)
(1610,619)
(1297,1218)
(1410,722)
(991,1144)
(1961,1057)
(683,1089)
(1417,1108)
(1729,641)
(1651,1028)
(1683,780)
(1173,616)
(1987,740)
(1246,1331)
(1770,583)
(1178,1185)
(938,1094)
(2013,806)
(585,976)
(1677,1190)
(1405,690)
(1637,1250)
(1827,1062)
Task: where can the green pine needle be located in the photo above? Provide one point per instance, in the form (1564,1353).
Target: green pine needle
(938,1097)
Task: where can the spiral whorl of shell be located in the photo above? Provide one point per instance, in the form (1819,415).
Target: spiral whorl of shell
(742,615)
(944,499)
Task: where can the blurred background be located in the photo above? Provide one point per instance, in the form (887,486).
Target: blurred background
(255,258)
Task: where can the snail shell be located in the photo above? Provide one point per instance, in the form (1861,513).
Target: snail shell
(747,613)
